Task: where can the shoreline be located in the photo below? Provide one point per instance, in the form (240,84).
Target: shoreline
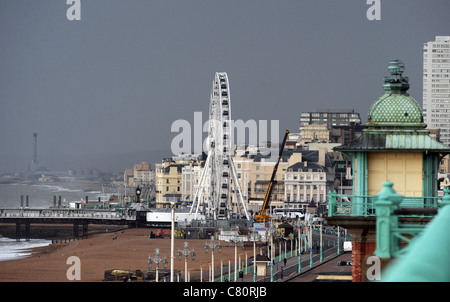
(100,252)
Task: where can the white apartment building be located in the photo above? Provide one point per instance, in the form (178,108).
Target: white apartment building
(436,86)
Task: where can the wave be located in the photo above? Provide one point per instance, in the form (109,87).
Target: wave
(11,249)
(58,188)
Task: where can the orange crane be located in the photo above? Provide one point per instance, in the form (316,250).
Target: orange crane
(262,216)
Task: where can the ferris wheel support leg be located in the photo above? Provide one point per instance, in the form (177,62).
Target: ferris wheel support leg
(238,187)
(199,192)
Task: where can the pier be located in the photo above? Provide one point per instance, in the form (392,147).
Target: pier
(24,218)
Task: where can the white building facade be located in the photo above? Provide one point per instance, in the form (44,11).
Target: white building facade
(436,86)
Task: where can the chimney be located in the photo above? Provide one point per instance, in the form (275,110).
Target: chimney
(322,153)
(352,131)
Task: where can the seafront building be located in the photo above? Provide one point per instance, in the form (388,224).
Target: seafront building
(308,180)
(140,174)
(302,176)
(171,174)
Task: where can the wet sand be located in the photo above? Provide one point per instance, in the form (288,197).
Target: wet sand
(100,252)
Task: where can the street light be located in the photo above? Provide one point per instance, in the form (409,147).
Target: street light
(338,241)
(321,249)
(186,253)
(172,237)
(212,245)
(310,241)
(272,232)
(254,236)
(299,248)
(157,259)
(235,239)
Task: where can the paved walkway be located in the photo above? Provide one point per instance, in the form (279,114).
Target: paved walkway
(310,274)
(289,272)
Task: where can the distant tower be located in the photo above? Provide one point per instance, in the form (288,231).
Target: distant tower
(35,161)
(436,83)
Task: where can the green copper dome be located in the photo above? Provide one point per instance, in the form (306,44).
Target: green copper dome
(395,106)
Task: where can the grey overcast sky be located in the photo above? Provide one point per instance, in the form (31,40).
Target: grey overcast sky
(104,91)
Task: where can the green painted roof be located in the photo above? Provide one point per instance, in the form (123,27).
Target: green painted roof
(391,141)
(395,108)
(413,142)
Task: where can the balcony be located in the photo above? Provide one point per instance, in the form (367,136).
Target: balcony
(353,205)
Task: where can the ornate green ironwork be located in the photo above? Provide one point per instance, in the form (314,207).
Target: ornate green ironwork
(426,258)
(362,205)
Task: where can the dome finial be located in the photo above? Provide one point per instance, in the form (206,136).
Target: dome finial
(396,83)
(396,68)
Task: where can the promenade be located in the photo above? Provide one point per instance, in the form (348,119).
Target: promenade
(289,272)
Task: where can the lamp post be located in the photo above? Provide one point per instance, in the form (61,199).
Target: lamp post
(279,250)
(172,236)
(221,270)
(254,236)
(291,248)
(321,249)
(235,239)
(157,259)
(212,245)
(186,253)
(271,271)
(310,246)
(210,275)
(285,249)
(246,263)
(338,241)
(299,250)
(201,272)
(272,232)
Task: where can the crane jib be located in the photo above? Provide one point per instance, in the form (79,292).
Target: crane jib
(266,202)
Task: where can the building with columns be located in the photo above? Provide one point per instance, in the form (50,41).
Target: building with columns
(302,175)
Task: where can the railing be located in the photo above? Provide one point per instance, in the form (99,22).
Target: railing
(426,257)
(64,213)
(358,205)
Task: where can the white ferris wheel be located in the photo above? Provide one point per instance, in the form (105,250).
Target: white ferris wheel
(219,190)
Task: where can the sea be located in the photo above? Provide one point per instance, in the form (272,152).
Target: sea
(41,196)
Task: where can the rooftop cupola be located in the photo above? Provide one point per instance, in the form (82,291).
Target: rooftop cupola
(395,108)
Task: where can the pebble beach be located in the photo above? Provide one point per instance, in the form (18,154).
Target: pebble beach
(101,252)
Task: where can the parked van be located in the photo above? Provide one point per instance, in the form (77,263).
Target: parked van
(347,246)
